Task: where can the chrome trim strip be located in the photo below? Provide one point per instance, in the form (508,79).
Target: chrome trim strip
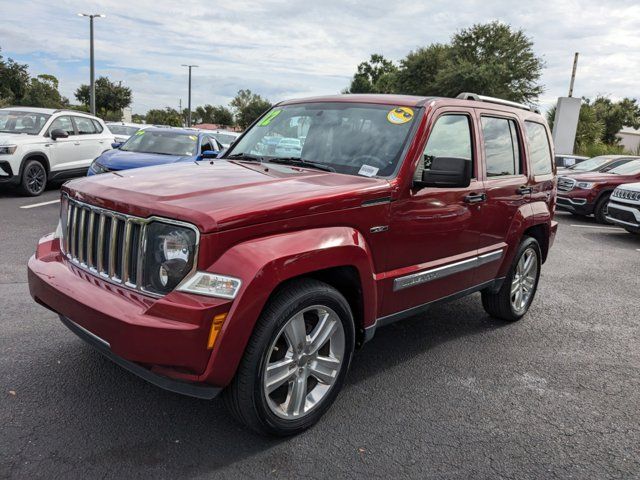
(622,222)
(100,254)
(112,248)
(80,252)
(437,273)
(376,201)
(74,223)
(126,251)
(89,259)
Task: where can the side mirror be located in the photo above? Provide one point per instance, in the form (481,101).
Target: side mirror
(58,133)
(209,154)
(447,172)
(116,144)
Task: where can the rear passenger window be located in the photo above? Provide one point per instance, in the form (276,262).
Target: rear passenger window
(501,146)
(450,137)
(539,149)
(84,125)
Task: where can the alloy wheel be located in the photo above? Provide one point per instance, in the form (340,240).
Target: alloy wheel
(303,362)
(35,176)
(524,280)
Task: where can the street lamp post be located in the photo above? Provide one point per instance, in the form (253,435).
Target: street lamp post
(92,85)
(189,102)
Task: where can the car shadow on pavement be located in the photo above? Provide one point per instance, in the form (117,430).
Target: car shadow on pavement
(119,421)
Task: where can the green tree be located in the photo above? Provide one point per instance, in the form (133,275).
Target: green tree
(137,118)
(418,71)
(43,92)
(14,81)
(217,114)
(167,116)
(111,98)
(377,75)
(492,59)
(248,107)
(615,115)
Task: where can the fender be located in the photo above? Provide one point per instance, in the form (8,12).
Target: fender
(35,153)
(524,218)
(263,264)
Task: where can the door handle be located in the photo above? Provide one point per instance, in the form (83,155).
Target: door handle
(523,190)
(475,197)
(76,143)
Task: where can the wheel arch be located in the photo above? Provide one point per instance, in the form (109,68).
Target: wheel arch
(40,156)
(338,256)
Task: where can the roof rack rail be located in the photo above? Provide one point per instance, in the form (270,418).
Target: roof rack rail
(499,101)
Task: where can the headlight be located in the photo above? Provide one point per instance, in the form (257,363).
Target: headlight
(169,256)
(585,185)
(98,167)
(211,284)
(8,149)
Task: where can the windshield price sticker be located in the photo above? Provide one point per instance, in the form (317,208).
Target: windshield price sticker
(400,115)
(270,116)
(140,132)
(368,171)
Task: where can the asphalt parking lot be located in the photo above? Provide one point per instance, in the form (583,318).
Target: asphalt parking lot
(452,394)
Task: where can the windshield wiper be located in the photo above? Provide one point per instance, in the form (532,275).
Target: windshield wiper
(301,162)
(244,156)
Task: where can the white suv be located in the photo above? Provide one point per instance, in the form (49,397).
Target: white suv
(624,207)
(42,144)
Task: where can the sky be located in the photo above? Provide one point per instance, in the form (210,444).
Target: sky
(289,49)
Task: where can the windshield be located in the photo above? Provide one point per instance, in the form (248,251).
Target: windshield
(31,123)
(351,138)
(591,164)
(163,142)
(122,129)
(224,138)
(630,168)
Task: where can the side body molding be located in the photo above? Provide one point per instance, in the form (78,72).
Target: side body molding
(263,264)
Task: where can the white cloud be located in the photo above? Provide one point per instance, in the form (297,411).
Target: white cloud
(286,49)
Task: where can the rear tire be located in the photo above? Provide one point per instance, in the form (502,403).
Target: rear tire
(34,178)
(286,381)
(600,212)
(518,290)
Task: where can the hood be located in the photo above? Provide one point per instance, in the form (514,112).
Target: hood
(122,160)
(18,138)
(595,177)
(634,187)
(222,194)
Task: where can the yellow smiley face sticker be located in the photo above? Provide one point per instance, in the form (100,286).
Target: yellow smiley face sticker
(400,115)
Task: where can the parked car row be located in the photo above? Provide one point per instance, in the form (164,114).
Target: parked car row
(38,145)
(594,192)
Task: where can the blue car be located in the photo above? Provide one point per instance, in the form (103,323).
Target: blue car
(157,146)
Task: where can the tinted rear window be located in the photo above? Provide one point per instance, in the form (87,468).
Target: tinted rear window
(539,149)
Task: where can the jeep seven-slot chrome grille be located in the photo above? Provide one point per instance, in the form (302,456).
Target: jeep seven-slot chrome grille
(104,242)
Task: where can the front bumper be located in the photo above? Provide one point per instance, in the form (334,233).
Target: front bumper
(625,215)
(162,340)
(7,174)
(578,205)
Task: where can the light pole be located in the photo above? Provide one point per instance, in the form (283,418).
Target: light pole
(189,102)
(92,85)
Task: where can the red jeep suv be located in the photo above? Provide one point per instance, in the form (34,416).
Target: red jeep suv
(258,274)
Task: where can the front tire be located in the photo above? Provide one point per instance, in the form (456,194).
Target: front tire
(601,210)
(513,299)
(296,360)
(34,178)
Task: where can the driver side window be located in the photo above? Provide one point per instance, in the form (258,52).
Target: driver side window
(62,123)
(450,137)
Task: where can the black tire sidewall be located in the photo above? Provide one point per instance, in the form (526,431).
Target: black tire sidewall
(524,245)
(598,213)
(24,183)
(324,295)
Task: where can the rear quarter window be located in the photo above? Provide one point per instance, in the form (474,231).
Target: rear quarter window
(539,148)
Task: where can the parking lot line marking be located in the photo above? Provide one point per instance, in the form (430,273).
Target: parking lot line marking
(40,204)
(597,226)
